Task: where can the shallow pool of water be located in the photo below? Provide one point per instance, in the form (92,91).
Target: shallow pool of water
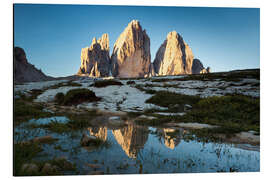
(142,149)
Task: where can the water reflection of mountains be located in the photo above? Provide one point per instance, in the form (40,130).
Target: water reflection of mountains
(132,138)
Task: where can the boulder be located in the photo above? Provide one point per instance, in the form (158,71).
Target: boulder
(174,57)
(131,53)
(49,169)
(95,60)
(29,169)
(88,140)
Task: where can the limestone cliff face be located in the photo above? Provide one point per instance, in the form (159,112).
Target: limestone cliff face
(131,138)
(24,71)
(197,67)
(95,60)
(174,56)
(131,53)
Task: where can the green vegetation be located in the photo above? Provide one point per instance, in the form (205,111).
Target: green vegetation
(148,91)
(55,166)
(175,102)
(64,84)
(76,96)
(24,110)
(233,113)
(23,153)
(233,76)
(105,83)
(76,122)
(59,98)
(131,82)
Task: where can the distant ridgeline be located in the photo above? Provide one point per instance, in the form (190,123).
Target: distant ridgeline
(131,56)
(24,71)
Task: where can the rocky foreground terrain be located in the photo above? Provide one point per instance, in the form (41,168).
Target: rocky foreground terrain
(217,107)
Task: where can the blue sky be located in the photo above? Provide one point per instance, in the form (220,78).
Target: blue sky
(53,35)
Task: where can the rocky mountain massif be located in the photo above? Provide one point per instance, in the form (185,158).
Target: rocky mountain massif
(131,53)
(131,56)
(24,71)
(95,60)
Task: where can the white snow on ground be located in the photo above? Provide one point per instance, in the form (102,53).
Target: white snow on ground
(114,98)
(170,114)
(129,98)
(49,95)
(36,85)
(207,88)
(121,98)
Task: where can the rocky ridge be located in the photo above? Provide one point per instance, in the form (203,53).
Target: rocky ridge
(24,71)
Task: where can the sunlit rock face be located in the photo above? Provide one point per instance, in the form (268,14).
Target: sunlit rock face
(95,60)
(24,71)
(197,67)
(172,137)
(174,57)
(99,132)
(131,53)
(131,138)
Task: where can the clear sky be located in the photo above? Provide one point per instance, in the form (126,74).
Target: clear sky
(53,35)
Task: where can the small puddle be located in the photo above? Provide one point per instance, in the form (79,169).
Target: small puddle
(142,149)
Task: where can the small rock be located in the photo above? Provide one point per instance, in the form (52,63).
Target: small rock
(29,169)
(187,107)
(147,117)
(94,166)
(44,139)
(87,140)
(96,173)
(115,121)
(49,169)
(61,158)
(113,118)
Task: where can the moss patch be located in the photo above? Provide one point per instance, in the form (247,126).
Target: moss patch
(105,83)
(131,82)
(175,102)
(77,96)
(24,110)
(233,76)
(233,113)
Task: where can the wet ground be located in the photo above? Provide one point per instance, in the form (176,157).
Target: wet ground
(136,149)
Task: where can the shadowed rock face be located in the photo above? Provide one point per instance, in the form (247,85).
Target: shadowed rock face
(131,53)
(197,67)
(95,60)
(24,71)
(174,56)
(131,138)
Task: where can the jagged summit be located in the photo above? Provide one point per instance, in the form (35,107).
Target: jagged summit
(95,60)
(131,54)
(174,56)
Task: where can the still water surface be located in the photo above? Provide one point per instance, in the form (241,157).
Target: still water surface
(142,149)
